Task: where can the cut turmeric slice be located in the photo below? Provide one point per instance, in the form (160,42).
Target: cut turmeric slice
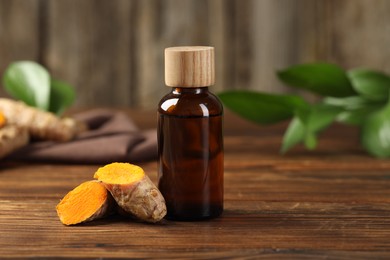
(40,124)
(2,119)
(134,192)
(88,201)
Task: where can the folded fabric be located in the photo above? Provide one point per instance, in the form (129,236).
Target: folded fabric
(111,137)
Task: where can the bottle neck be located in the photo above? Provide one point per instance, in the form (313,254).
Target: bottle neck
(196,90)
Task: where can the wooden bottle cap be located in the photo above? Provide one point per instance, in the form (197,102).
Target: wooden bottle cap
(189,66)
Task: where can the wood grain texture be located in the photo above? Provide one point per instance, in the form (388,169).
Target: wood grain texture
(189,66)
(113,51)
(89,44)
(331,203)
(19,30)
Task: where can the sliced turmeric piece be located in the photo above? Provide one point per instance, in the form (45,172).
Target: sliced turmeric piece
(40,124)
(134,192)
(2,119)
(88,201)
(12,138)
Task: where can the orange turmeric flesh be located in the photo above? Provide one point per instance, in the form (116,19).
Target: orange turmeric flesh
(88,201)
(120,173)
(134,192)
(2,119)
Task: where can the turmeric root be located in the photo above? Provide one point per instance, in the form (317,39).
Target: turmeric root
(40,124)
(88,201)
(134,192)
(12,138)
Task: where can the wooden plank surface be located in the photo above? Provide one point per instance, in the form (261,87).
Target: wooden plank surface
(334,202)
(112,51)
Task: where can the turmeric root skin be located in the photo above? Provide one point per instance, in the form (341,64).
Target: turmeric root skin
(40,124)
(88,201)
(11,139)
(134,192)
(142,200)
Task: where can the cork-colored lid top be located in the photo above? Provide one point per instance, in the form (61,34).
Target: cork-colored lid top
(189,66)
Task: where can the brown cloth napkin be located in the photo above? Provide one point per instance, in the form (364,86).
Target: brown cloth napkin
(112,137)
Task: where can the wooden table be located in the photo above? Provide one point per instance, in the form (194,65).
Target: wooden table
(333,202)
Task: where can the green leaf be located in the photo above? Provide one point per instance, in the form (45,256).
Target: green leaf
(356,108)
(357,116)
(321,78)
(29,82)
(62,96)
(373,85)
(376,133)
(262,108)
(349,103)
(321,116)
(310,140)
(307,124)
(294,134)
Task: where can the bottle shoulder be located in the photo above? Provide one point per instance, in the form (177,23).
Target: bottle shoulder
(201,104)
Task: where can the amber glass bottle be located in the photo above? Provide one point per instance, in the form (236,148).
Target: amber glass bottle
(190,141)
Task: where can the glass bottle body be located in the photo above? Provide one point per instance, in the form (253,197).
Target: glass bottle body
(190,149)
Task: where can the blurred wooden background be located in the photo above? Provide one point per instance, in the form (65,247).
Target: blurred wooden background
(112,51)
